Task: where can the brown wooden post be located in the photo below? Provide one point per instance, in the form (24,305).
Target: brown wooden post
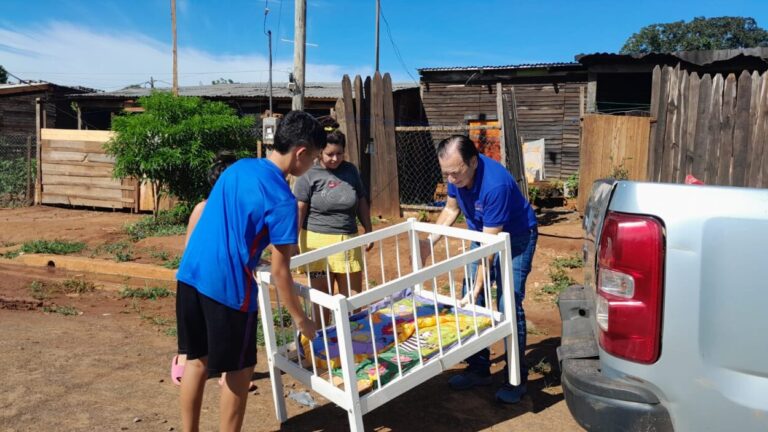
(38,154)
(501,114)
(30,191)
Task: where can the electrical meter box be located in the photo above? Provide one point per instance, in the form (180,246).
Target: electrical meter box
(269,127)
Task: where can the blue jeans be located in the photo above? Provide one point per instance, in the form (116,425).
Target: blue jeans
(523,248)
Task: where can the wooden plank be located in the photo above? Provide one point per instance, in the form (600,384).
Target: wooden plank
(53,156)
(76,135)
(758,135)
(702,123)
(741,129)
(82,201)
(362,117)
(671,147)
(353,148)
(75,163)
(726,132)
(753,109)
(62,156)
(764,172)
(657,143)
(390,150)
(81,146)
(713,129)
(681,130)
(502,116)
(77,170)
(377,168)
(85,191)
(515,148)
(338,109)
(106,182)
(686,150)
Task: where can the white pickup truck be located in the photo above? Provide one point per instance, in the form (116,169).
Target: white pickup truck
(670,330)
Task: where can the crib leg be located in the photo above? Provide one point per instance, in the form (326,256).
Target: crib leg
(277,392)
(355,421)
(513,366)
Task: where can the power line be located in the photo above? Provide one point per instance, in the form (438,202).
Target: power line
(394,46)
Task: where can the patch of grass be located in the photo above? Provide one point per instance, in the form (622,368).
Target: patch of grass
(571,262)
(62,310)
(148,293)
(543,367)
(161,255)
(461,219)
(55,247)
(372,283)
(375,220)
(11,254)
(38,290)
(173,264)
(168,325)
(283,335)
(560,281)
(168,223)
(77,286)
(121,251)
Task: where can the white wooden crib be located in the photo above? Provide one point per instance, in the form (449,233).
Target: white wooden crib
(403,278)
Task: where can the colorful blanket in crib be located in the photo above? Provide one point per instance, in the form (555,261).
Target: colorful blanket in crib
(379,329)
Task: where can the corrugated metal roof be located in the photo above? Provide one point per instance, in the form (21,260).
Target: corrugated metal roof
(505,67)
(38,86)
(700,57)
(241,90)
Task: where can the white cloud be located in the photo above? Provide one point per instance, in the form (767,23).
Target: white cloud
(68,54)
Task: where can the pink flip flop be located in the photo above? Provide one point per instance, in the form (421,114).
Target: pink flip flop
(177,370)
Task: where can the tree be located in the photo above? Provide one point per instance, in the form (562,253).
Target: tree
(3,75)
(173,143)
(222,81)
(699,34)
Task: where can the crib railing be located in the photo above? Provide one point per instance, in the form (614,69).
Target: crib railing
(431,291)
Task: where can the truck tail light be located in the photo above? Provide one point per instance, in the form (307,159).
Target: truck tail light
(630,283)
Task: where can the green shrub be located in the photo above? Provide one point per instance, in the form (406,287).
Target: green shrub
(77,286)
(571,262)
(55,247)
(173,264)
(62,310)
(149,293)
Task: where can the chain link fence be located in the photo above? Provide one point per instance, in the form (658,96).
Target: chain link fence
(17,170)
(422,186)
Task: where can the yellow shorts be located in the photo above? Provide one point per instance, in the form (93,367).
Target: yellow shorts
(342,262)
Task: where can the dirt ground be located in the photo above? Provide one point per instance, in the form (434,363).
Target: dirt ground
(106,366)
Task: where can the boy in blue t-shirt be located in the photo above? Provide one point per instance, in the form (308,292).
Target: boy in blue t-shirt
(250,207)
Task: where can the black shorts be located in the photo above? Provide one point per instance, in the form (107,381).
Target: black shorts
(207,328)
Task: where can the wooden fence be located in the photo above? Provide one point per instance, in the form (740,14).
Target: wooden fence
(712,127)
(367,119)
(610,144)
(74,169)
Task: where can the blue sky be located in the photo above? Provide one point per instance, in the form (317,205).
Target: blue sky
(108,44)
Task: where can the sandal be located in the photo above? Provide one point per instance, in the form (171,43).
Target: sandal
(177,370)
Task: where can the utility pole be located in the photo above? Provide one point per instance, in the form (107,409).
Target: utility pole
(152,83)
(175,68)
(378,14)
(269,45)
(299,53)
(269,37)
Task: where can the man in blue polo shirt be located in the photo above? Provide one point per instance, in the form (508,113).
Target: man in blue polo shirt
(485,192)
